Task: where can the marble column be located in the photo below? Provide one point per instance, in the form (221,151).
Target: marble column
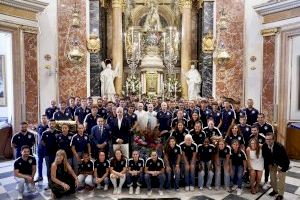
(186,39)
(206,59)
(268,73)
(117,52)
(31,77)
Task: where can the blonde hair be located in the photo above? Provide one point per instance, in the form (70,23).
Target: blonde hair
(64,155)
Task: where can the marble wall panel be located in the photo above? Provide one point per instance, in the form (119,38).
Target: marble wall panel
(268,77)
(194,33)
(72,78)
(31,77)
(229,78)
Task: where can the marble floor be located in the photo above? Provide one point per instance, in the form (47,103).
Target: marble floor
(8,192)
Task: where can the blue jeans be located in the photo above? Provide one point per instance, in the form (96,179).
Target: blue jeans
(218,174)
(169,176)
(49,160)
(41,156)
(160,177)
(237,175)
(189,176)
(201,174)
(131,180)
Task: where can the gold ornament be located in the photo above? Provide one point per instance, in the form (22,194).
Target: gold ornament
(208,43)
(93,44)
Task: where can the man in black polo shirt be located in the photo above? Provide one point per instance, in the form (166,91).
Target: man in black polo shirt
(101,171)
(101,110)
(24,171)
(228,118)
(70,109)
(179,117)
(81,111)
(154,168)
(90,120)
(51,110)
(251,112)
(135,172)
(263,126)
(50,143)
(22,138)
(164,118)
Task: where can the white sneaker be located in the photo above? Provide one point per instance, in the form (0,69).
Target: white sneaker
(160,192)
(149,193)
(130,190)
(192,188)
(239,191)
(115,191)
(200,188)
(105,187)
(119,191)
(187,188)
(234,187)
(137,190)
(99,187)
(209,188)
(266,186)
(20,196)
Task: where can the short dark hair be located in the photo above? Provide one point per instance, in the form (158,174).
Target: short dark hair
(25,147)
(24,123)
(270,134)
(254,126)
(51,120)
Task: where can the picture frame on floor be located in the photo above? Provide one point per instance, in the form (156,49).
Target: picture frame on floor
(2,82)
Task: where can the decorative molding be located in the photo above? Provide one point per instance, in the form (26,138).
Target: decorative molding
(30,5)
(269,32)
(15,21)
(17,12)
(274,7)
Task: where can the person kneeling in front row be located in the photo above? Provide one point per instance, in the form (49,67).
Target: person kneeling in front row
(135,172)
(24,170)
(118,168)
(101,171)
(86,170)
(155,168)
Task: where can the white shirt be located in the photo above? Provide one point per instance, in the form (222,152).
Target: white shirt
(119,122)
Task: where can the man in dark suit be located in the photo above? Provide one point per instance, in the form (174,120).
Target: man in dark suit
(277,159)
(120,129)
(100,137)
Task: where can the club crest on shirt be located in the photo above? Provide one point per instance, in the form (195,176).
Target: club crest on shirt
(247,129)
(168,113)
(88,165)
(59,138)
(139,164)
(239,155)
(175,150)
(30,161)
(260,140)
(20,163)
(229,113)
(239,138)
(225,151)
(104,164)
(218,114)
(103,111)
(70,137)
(241,114)
(192,148)
(85,137)
(19,137)
(265,127)
(253,111)
(78,139)
(209,150)
(29,136)
(158,164)
(122,162)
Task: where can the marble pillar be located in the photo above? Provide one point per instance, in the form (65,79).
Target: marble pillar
(31,78)
(186,44)
(117,46)
(72,79)
(206,59)
(268,75)
(229,78)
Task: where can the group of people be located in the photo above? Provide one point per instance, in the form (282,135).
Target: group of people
(136,141)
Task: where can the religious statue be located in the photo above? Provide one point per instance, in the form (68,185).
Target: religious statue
(193,79)
(107,77)
(152,22)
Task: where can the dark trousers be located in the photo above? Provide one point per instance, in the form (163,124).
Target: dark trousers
(49,160)
(41,156)
(267,171)
(59,191)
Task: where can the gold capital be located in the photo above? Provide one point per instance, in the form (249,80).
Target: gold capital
(117,3)
(269,32)
(186,4)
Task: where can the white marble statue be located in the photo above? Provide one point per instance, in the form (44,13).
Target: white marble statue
(107,77)
(152,22)
(193,79)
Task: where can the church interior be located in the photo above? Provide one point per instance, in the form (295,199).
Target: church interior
(143,51)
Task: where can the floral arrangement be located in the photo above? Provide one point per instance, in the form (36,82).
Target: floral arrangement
(172,87)
(132,86)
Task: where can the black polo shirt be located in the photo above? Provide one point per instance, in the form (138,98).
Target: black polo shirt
(81,113)
(69,112)
(206,152)
(49,139)
(176,120)
(86,167)
(101,167)
(238,158)
(131,118)
(80,142)
(173,154)
(227,117)
(238,137)
(164,120)
(245,131)
(91,121)
(63,142)
(190,112)
(198,137)
(21,139)
(188,150)
(179,137)
(185,114)
(40,129)
(212,132)
(265,128)
(238,114)
(155,166)
(205,114)
(135,165)
(224,152)
(217,116)
(251,115)
(50,111)
(118,165)
(59,116)
(25,166)
(102,112)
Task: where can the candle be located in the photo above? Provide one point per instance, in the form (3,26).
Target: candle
(175,90)
(169,87)
(126,88)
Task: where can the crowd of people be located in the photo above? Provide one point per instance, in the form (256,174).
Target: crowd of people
(135,141)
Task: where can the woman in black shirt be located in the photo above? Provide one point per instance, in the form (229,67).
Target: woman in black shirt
(179,132)
(172,155)
(118,168)
(195,118)
(234,133)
